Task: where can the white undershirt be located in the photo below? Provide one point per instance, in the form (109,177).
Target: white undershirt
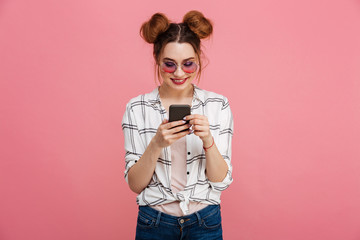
(178,180)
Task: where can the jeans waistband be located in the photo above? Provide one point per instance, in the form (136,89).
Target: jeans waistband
(183,220)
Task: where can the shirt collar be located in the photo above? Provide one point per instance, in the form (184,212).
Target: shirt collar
(199,94)
(154,96)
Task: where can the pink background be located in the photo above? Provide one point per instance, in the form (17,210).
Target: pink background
(291,70)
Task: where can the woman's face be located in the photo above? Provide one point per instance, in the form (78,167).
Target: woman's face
(181,54)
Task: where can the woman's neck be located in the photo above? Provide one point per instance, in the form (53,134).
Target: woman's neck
(166,93)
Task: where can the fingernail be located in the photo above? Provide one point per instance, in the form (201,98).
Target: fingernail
(184,121)
(184,118)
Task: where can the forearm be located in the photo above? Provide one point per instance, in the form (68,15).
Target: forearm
(216,167)
(140,174)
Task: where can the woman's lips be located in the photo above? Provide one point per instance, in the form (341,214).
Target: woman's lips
(179,81)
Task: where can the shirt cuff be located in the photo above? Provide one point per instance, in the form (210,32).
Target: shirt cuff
(221,186)
(129,164)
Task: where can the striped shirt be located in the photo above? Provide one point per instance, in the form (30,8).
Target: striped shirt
(140,122)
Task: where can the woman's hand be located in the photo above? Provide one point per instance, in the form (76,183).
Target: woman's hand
(169,132)
(200,127)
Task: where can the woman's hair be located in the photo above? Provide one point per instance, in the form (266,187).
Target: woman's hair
(160,31)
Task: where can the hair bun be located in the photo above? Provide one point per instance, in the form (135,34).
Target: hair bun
(200,25)
(151,29)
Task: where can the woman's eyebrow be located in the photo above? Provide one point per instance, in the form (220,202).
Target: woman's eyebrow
(187,59)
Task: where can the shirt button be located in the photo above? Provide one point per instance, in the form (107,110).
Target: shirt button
(182,221)
(188,153)
(188,173)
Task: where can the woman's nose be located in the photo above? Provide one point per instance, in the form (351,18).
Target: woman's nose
(179,72)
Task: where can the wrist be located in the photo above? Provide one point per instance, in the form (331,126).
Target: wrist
(207,147)
(154,144)
(207,141)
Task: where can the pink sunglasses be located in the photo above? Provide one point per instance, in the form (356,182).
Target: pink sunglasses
(171,67)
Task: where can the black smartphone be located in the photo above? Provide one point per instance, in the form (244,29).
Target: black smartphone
(178,112)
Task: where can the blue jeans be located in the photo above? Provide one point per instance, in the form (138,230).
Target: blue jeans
(155,225)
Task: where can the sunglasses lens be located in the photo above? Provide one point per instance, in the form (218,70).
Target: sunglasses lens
(189,67)
(168,67)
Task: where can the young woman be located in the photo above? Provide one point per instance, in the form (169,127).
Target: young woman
(179,168)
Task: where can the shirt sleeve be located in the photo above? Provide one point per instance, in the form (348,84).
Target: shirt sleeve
(134,147)
(223,143)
